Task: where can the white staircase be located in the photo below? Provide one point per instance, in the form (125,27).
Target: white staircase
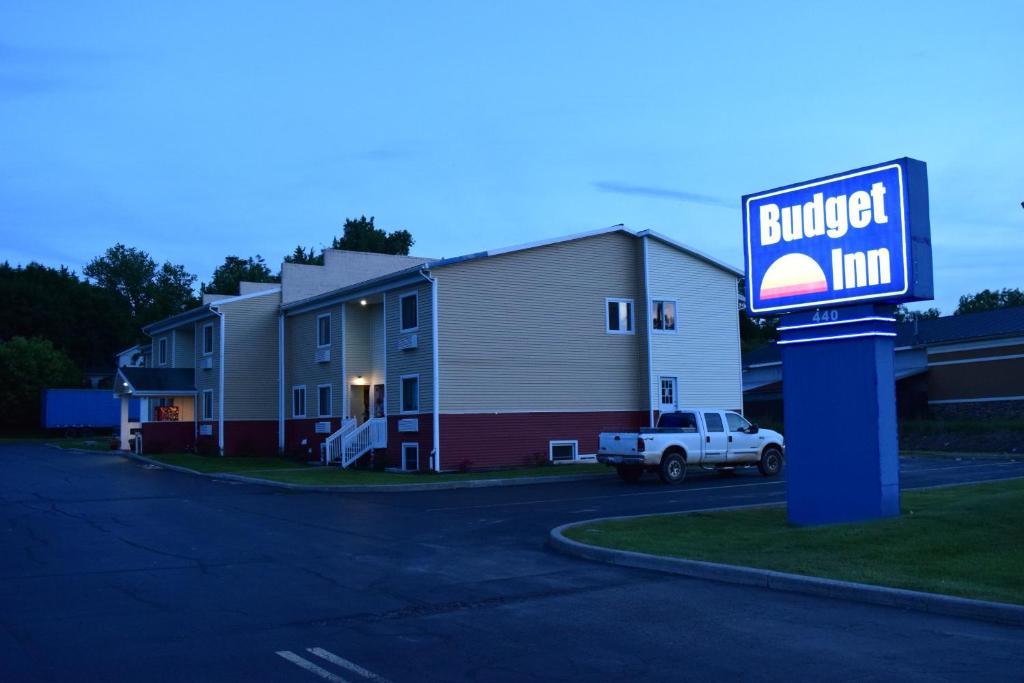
(369,435)
(332,447)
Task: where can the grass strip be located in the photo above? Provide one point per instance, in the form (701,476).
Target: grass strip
(963,540)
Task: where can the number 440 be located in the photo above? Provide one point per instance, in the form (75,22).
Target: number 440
(825,316)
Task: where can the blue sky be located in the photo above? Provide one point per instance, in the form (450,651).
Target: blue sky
(195,130)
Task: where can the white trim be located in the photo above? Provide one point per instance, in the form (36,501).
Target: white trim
(776,362)
(401,394)
(815,304)
(220,382)
(161,351)
(987,399)
(401,322)
(936,348)
(632,315)
(650,343)
(305,401)
(838,322)
(435,382)
(384,312)
(838,336)
(205,417)
(243,297)
(318,319)
(345,385)
(202,340)
(174,344)
(675,315)
(407,444)
(981,359)
(563,442)
(330,397)
(557,240)
(281,415)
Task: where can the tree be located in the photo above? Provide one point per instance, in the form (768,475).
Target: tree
(126,271)
(172,292)
(228,275)
(301,255)
(27,366)
(904,315)
(988,300)
(361,235)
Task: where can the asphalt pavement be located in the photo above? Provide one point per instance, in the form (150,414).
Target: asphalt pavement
(115,570)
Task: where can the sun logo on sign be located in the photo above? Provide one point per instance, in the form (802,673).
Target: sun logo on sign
(791,275)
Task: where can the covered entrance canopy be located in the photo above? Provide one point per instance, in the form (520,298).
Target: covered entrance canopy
(168,396)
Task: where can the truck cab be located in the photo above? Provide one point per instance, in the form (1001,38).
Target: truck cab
(709,439)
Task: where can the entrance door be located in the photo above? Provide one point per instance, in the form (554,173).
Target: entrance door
(378,400)
(716,440)
(669,401)
(360,402)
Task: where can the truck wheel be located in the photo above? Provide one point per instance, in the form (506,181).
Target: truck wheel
(771,462)
(630,473)
(673,468)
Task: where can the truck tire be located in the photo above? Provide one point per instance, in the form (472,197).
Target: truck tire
(673,468)
(771,462)
(630,473)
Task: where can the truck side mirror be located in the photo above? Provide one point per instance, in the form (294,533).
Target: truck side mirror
(753,429)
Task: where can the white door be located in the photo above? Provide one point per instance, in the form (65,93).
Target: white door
(743,446)
(716,446)
(668,390)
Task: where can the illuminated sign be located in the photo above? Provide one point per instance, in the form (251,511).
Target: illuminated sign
(855,237)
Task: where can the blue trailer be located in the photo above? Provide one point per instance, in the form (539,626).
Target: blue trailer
(84,410)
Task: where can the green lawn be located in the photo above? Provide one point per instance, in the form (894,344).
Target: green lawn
(288,471)
(964,540)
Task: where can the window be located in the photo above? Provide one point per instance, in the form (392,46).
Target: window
(714,422)
(684,422)
(162,351)
(410,456)
(620,316)
(323,400)
(323,330)
(299,401)
(208,404)
(207,339)
(663,316)
(563,451)
(408,306)
(737,423)
(668,391)
(410,393)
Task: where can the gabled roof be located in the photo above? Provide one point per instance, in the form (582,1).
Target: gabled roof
(200,312)
(157,380)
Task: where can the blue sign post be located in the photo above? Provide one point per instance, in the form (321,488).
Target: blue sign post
(833,256)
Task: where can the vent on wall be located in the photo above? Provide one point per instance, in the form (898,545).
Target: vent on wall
(323,427)
(323,355)
(206,363)
(409,424)
(563,451)
(409,341)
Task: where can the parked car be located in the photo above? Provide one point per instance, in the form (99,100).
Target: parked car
(709,439)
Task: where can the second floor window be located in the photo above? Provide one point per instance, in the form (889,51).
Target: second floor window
(208,404)
(410,394)
(323,400)
(620,316)
(410,317)
(162,351)
(323,330)
(663,314)
(207,340)
(299,401)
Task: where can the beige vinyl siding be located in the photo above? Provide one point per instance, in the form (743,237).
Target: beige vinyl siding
(250,357)
(417,361)
(704,353)
(526,331)
(184,355)
(364,347)
(301,367)
(208,379)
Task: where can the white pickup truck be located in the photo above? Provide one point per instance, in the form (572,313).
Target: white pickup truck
(710,439)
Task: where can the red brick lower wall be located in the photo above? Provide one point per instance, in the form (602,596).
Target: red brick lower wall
(487,440)
(297,430)
(250,437)
(168,437)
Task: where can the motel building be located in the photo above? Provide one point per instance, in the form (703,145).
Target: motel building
(503,358)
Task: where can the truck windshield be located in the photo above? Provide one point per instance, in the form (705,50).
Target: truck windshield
(684,421)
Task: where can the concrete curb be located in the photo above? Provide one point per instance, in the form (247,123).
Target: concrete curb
(366,488)
(933,603)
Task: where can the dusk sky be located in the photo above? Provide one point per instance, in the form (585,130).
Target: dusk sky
(197,130)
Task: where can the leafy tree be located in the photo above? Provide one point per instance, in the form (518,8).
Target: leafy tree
(905,315)
(756,332)
(27,366)
(228,275)
(988,300)
(308,257)
(151,293)
(361,235)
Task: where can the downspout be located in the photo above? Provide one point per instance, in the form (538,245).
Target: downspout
(647,334)
(280,382)
(220,383)
(436,379)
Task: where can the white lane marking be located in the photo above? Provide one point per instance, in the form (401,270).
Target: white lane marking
(310,666)
(345,664)
(670,491)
